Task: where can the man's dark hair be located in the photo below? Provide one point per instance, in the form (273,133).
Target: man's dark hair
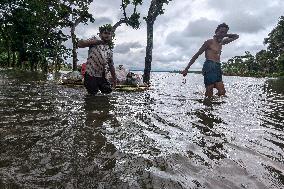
(223,25)
(105,28)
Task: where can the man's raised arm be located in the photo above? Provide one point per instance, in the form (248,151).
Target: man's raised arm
(229,38)
(89,42)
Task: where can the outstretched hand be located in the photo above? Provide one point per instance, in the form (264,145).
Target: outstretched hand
(184,72)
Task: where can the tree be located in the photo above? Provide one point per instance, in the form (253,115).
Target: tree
(75,12)
(31,28)
(275,39)
(155,9)
(133,19)
(249,61)
(265,62)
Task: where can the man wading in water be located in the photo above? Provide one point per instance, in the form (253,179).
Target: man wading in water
(212,66)
(100,60)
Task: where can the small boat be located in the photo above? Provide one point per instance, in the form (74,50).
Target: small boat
(127,81)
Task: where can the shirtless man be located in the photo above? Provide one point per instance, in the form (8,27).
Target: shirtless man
(212,66)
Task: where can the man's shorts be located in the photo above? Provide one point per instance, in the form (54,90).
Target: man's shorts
(212,72)
(94,84)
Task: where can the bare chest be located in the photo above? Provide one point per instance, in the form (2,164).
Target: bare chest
(215,48)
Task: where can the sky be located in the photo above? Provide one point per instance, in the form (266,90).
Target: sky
(182,29)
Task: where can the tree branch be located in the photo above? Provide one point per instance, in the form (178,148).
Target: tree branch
(121,21)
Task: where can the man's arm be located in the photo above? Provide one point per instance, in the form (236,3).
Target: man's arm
(192,60)
(113,75)
(89,42)
(229,38)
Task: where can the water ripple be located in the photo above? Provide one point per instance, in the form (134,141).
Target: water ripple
(55,136)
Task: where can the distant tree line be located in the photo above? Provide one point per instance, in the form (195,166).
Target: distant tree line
(268,62)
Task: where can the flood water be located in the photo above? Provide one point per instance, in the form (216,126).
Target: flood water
(168,137)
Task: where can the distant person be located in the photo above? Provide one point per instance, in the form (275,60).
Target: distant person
(83,69)
(212,66)
(99,62)
(121,74)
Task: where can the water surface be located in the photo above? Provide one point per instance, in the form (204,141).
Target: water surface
(54,136)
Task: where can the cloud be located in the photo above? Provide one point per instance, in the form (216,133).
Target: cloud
(102,20)
(124,48)
(202,27)
(131,60)
(90,29)
(248,16)
(183,28)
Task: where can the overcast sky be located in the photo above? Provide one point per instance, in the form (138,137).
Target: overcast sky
(180,32)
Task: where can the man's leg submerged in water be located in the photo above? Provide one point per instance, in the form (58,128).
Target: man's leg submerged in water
(220,87)
(209,90)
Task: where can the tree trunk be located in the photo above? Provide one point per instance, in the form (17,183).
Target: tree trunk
(74,41)
(44,65)
(20,59)
(56,56)
(13,60)
(32,65)
(74,50)
(149,48)
(9,57)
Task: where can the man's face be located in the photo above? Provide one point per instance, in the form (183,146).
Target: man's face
(106,35)
(221,32)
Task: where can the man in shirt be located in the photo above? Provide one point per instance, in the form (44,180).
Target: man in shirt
(212,66)
(100,60)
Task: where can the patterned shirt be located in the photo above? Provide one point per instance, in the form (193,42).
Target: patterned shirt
(99,60)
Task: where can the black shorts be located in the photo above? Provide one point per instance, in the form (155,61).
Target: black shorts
(94,84)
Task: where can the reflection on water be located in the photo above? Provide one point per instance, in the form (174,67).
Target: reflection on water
(54,136)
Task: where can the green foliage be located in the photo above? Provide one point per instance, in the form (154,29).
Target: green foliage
(32,28)
(133,19)
(268,62)
(275,39)
(280,63)
(156,8)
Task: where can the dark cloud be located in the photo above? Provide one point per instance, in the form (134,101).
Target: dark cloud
(130,60)
(125,47)
(194,35)
(102,20)
(201,28)
(176,39)
(244,23)
(248,16)
(167,57)
(173,47)
(224,6)
(83,30)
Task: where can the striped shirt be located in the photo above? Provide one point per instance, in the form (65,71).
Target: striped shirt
(100,58)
